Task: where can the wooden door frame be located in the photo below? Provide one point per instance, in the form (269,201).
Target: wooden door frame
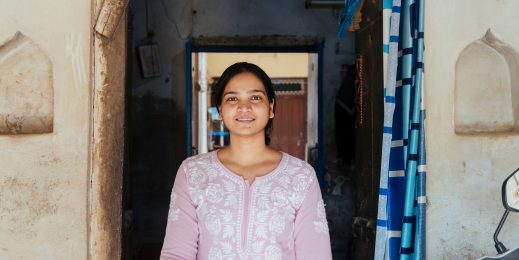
(104,213)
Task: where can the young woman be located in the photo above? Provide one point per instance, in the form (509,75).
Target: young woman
(247,200)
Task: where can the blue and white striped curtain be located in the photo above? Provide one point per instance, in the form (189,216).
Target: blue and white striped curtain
(401,208)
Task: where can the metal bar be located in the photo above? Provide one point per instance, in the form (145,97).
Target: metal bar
(189,89)
(499,246)
(202,104)
(320,116)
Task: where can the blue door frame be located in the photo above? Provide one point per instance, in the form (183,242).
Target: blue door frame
(317,48)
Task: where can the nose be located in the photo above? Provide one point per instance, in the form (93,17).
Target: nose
(244,106)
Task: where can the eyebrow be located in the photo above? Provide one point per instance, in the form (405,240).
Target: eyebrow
(248,92)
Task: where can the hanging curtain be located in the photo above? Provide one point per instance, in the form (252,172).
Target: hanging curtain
(401,209)
(347,16)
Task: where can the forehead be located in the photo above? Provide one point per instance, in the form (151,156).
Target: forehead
(244,81)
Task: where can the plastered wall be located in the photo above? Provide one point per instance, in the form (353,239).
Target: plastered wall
(464,172)
(274,64)
(43,176)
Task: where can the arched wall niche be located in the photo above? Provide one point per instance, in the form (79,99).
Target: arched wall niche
(26,89)
(486,93)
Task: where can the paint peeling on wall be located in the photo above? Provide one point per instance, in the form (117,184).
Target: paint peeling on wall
(26,89)
(22,204)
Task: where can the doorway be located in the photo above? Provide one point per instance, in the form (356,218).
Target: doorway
(162,133)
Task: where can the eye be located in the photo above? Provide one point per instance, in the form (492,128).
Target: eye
(256,98)
(231,99)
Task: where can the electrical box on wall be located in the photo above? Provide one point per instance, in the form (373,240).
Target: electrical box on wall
(149,60)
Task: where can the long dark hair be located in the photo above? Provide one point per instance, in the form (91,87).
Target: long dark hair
(241,67)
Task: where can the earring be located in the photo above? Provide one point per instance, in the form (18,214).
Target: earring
(271,116)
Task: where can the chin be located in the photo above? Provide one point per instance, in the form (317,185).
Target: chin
(251,133)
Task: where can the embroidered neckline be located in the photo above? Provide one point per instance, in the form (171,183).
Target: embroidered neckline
(279,168)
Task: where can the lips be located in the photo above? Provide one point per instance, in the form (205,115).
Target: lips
(245,119)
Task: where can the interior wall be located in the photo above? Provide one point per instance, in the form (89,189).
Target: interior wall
(159,139)
(464,172)
(44,177)
(274,64)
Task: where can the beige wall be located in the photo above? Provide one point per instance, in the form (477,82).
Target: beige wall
(464,172)
(274,64)
(43,177)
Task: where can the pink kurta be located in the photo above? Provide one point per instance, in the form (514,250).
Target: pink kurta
(216,214)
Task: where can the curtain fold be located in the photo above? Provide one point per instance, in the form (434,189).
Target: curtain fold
(347,16)
(401,209)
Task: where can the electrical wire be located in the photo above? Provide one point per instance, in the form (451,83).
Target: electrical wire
(360,67)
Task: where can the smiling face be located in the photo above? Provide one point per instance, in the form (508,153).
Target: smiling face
(245,107)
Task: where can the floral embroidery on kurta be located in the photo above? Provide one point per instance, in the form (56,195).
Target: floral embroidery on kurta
(271,219)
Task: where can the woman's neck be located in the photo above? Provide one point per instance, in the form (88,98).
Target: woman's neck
(246,151)
(249,159)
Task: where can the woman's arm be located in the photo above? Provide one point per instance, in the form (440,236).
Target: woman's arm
(181,240)
(312,240)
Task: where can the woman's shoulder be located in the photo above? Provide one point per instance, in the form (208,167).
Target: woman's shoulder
(294,161)
(198,160)
(297,164)
(297,177)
